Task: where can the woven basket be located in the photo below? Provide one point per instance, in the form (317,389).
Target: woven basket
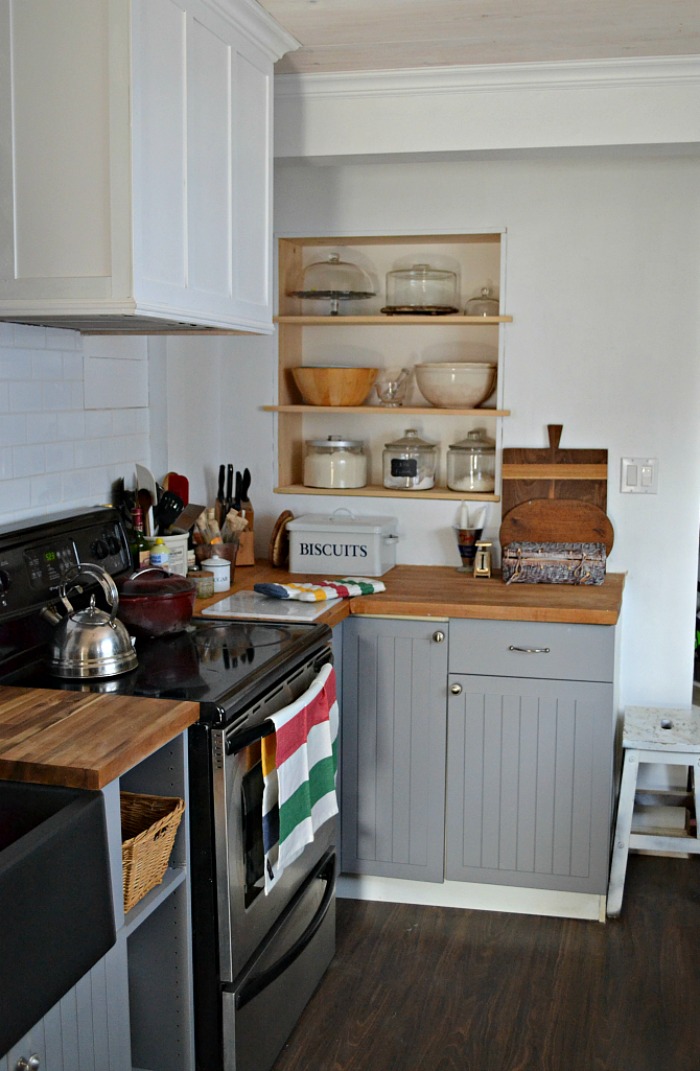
(149,825)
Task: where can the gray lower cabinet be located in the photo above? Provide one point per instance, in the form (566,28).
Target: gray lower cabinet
(515,733)
(530,755)
(393,748)
(133,1010)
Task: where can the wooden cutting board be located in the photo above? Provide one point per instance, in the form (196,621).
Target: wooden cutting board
(547,520)
(553,473)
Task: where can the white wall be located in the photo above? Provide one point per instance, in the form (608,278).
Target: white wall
(73,418)
(603,274)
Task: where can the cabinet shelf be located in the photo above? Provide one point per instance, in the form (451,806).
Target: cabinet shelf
(475,258)
(354,321)
(379,491)
(386,410)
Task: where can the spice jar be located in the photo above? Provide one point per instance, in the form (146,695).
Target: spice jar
(335,462)
(410,463)
(471,463)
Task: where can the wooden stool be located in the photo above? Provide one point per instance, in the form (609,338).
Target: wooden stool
(669,736)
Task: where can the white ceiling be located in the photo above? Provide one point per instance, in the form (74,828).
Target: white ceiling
(371,35)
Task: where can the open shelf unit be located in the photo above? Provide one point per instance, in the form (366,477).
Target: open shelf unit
(363,336)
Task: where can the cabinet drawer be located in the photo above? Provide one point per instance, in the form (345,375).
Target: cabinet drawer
(532,649)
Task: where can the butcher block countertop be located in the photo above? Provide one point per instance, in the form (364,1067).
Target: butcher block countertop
(80,739)
(440,591)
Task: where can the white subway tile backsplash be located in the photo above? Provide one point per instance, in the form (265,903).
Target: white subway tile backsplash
(28,460)
(70,426)
(13,429)
(27,396)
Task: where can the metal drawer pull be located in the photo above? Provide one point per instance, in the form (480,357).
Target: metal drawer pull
(530,650)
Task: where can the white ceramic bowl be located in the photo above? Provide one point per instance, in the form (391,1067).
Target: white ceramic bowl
(456,386)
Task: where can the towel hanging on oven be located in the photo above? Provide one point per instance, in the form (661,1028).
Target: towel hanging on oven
(299,764)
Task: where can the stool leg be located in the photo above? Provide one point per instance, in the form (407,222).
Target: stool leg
(696,796)
(623,826)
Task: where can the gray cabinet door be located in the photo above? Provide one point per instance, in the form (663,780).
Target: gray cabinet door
(529,773)
(393,748)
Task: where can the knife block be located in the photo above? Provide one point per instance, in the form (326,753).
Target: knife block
(246,547)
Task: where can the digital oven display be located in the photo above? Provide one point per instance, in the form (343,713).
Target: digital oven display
(48,564)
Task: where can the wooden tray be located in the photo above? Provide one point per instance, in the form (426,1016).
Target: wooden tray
(547,520)
(554,474)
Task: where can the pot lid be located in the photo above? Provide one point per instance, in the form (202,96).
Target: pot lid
(154,582)
(476,442)
(411,441)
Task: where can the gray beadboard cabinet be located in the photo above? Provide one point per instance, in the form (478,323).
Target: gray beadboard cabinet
(514,732)
(133,1010)
(393,747)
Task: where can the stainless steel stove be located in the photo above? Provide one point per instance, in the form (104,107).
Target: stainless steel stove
(257,957)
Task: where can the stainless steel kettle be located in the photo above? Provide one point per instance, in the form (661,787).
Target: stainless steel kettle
(90,642)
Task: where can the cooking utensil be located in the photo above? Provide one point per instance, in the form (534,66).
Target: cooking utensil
(153,602)
(553,473)
(90,643)
(180,485)
(187,518)
(146,481)
(551,520)
(167,511)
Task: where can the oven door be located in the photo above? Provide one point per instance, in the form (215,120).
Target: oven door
(246,913)
(261,1008)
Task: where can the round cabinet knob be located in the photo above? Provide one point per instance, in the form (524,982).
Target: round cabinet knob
(456,689)
(438,637)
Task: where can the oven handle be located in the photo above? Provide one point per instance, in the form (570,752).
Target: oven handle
(246,737)
(326,868)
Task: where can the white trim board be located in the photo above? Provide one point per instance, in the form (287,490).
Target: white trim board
(477,897)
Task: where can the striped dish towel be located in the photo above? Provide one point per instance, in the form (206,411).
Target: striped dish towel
(299,764)
(324,589)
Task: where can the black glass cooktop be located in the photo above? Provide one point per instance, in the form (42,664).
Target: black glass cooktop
(219,664)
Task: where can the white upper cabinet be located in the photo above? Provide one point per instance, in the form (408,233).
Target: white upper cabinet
(136,163)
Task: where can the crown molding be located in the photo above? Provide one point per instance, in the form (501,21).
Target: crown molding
(654,71)
(258,26)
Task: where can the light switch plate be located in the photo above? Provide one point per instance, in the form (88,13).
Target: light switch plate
(639,475)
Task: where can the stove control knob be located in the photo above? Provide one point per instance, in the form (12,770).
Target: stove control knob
(100,549)
(4,582)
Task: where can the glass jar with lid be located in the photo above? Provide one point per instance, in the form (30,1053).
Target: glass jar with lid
(410,463)
(421,289)
(471,463)
(335,462)
(486,304)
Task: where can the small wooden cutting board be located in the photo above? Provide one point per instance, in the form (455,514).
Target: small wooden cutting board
(546,520)
(553,473)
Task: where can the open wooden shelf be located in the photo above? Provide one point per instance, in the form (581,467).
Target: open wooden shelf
(386,320)
(385,410)
(379,491)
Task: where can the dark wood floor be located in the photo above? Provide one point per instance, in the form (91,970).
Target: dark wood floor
(439,989)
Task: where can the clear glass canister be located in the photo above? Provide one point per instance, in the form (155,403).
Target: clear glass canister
(422,287)
(410,463)
(335,462)
(471,463)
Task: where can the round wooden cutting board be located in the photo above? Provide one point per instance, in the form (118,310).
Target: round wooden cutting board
(552,520)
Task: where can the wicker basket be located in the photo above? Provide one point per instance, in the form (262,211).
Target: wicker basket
(149,825)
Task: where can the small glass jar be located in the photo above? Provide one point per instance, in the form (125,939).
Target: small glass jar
(422,287)
(335,462)
(410,463)
(484,305)
(471,463)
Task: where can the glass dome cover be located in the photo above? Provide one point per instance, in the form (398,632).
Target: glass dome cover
(334,279)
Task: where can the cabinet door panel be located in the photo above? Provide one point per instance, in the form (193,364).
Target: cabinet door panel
(393,749)
(529,783)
